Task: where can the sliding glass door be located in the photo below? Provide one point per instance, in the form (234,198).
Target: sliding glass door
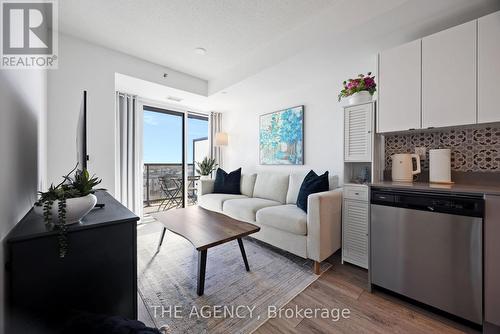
(163,140)
(197,149)
(173,143)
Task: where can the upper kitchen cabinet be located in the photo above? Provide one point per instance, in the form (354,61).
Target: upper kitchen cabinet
(399,99)
(449,77)
(488,68)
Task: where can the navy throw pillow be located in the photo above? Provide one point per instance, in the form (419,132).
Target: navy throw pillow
(312,184)
(227,183)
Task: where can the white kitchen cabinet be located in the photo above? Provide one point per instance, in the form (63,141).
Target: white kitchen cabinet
(449,77)
(399,81)
(355,231)
(360,146)
(488,68)
(358,136)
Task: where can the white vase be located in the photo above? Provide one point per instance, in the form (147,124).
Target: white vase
(205,177)
(76,208)
(359,97)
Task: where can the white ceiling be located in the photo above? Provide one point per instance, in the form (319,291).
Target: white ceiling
(310,52)
(166,32)
(246,38)
(355,33)
(164,95)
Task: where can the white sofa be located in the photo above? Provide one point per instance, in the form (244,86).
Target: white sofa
(269,201)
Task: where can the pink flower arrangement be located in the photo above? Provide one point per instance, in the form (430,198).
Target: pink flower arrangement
(361,83)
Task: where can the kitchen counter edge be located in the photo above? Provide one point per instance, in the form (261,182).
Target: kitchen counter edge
(452,188)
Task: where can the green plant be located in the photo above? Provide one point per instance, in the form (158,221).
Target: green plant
(206,166)
(84,183)
(80,185)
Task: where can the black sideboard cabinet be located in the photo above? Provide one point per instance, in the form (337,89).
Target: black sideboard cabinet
(98,274)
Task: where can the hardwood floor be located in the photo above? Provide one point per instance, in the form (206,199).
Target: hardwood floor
(346,286)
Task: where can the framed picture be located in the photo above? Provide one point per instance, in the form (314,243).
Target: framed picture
(281,137)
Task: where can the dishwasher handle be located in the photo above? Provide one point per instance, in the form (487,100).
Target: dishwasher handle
(382,198)
(471,206)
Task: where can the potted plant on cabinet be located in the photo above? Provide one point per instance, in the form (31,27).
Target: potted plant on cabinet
(359,90)
(67,203)
(206,167)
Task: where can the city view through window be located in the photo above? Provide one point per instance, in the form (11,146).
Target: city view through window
(163,151)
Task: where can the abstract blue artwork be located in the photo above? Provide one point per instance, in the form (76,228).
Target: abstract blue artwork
(281,137)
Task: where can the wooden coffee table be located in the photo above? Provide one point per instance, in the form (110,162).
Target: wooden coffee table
(204,229)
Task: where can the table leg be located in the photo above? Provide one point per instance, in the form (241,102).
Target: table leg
(242,249)
(202,264)
(161,239)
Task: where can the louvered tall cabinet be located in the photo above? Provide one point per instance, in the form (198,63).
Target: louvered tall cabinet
(358,133)
(360,147)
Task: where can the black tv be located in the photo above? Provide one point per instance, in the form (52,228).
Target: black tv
(81,135)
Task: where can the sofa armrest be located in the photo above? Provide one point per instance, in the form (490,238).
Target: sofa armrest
(206,186)
(324,217)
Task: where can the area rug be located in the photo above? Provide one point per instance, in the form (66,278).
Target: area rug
(235,301)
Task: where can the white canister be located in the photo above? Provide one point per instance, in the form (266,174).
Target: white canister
(440,165)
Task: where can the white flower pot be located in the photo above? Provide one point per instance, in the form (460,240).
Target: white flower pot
(205,177)
(76,208)
(359,97)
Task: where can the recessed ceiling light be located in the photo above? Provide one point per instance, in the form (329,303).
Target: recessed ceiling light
(174,98)
(200,51)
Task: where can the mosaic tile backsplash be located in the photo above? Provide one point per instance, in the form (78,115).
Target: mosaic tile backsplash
(472,149)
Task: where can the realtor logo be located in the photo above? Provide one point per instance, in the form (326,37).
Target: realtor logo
(29,34)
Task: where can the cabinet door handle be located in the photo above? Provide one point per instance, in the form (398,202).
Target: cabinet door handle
(357,194)
(411,129)
(430,127)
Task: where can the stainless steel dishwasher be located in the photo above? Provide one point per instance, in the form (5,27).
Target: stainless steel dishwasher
(428,246)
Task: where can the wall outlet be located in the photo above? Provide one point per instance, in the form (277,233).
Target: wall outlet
(421,151)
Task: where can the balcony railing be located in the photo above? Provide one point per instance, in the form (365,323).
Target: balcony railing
(153,172)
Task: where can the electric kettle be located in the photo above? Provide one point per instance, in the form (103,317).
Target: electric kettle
(402,167)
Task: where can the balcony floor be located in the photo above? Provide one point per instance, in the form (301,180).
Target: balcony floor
(147,210)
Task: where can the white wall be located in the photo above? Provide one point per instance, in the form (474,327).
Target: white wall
(85,66)
(22,112)
(323,119)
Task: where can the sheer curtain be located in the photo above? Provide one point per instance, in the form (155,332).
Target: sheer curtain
(215,126)
(129,152)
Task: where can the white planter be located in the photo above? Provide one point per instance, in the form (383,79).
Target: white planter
(205,177)
(359,97)
(76,208)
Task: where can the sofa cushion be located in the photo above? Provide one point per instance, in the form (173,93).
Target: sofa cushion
(214,202)
(247,184)
(313,183)
(296,179)
(272,186)
(246,208)
(227,183)
(287,218)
